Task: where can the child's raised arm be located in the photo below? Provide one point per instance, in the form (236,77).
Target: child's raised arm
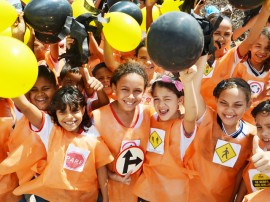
(109,60)
(32,113)
(94,85)
(255,31)
(190,104)
(197,85)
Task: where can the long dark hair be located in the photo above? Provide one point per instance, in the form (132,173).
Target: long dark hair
(72,97)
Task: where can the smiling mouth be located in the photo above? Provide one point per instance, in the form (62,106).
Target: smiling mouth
(163,112)
(70,122)
(266,140)
(228,116)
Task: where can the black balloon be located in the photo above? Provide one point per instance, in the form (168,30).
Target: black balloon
(47,38)
(47,16)
(246,4)
(175,41)
(110,3)
(129,8)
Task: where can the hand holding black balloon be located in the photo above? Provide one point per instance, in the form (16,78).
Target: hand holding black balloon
(175,41)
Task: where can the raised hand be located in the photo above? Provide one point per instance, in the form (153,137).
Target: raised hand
(260,158)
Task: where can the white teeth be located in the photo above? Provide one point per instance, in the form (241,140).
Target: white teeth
(40,100)
(266,140)
(227,116)
(129,103)
(70,122)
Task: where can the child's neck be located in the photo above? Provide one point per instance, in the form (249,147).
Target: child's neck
(257,66)
(231,129)
(127,118)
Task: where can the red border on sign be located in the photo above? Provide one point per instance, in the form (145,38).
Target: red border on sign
(123,152)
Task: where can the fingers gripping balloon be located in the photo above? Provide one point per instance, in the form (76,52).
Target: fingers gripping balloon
(175,41)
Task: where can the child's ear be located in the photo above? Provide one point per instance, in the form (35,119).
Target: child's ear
(181,100)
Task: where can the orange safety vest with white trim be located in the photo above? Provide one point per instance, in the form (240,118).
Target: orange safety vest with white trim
(216,181)
(27,154)
(70,173)
(254,179)
(221,69)
(164,177)
(8,182)
(257,85)
(114,133)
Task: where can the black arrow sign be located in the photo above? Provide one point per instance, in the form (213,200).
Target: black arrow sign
(128,162)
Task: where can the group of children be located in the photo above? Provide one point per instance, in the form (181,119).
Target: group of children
(204,131)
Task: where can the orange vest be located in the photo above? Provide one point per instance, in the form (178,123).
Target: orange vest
(216,182)
(221,69)
(8,182)
(6,108)
(251,172)
(164,177)
(61,180)
(27,154)
(113,133)
(257,84)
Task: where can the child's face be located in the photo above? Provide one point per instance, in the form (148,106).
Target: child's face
(166,103)
(231,106)
(104,75)
(223,35)
(71,118)
(41,93)
(147,63)
(129,91)
(263,127)
(260,51)
(73,79)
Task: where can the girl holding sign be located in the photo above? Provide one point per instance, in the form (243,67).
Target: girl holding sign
(128,125)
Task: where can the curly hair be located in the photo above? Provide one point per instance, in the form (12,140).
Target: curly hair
(129,68)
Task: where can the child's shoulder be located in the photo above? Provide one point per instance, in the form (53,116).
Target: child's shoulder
(91,132)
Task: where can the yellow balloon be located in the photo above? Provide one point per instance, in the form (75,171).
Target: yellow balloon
(122,31)
(170,5)
(26,1)
(8,15)
(7,32)
(78,7)
(155,15)
(18,68)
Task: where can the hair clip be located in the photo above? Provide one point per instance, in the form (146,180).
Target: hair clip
(167,79)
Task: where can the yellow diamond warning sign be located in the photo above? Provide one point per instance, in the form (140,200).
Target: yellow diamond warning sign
(155,139)
(225,152)
(207,69)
